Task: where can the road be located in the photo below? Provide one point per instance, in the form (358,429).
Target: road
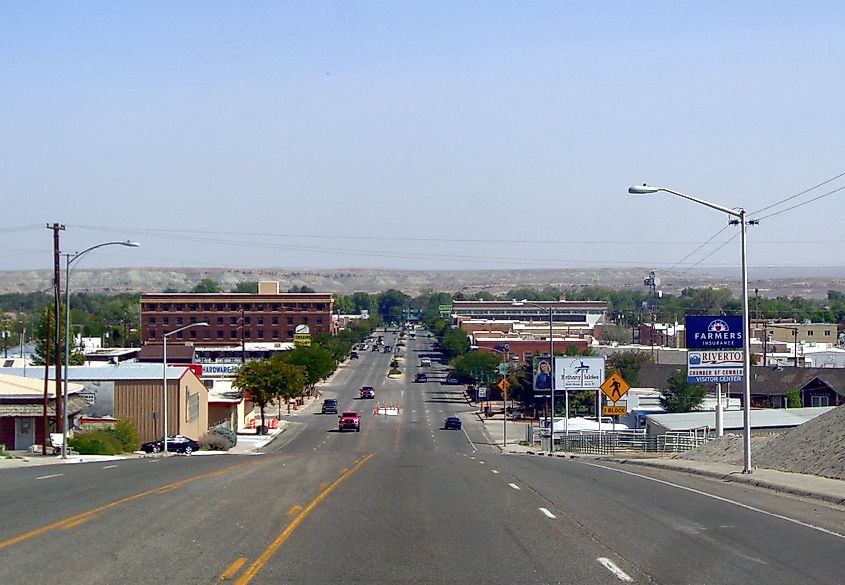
(402,501)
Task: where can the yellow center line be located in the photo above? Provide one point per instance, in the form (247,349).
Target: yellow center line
(285,534)
(231,570)
(82,517)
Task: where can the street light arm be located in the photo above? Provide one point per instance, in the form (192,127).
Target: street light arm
(188,326)
(644,189)
(71,258)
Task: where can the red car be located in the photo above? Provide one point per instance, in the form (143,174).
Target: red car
(349,421)
(367,392)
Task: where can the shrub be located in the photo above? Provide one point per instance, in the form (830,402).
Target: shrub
(394,371)
(126,433)
(212,441)
(95,442)
(228,433)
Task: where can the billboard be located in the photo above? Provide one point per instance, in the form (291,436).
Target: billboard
(302,336)
(715,367)
(578,373)
(714,332)
(542,375)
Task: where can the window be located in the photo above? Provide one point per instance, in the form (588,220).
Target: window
(247,320)
(275,320)
(247,333)
(192,307)
(165,320)
(259,320)
(275,334)
(179,334)
(259,307)
(219,334)
(819,401)
(260,334)
(178,320)
(152,321)
(193,333)
(319,320)
(233,334)
(809,332)
(827,332)
(290,320)
(233,320)
(275,307)
(219,320)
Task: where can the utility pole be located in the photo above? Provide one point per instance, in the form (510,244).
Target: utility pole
(57,338)
(45,421)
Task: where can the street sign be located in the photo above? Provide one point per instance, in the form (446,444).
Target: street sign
(580,373)
(715,367)
(482,392)
(503,369)
(614,410)
(503,385)
(714,332)
(615,387)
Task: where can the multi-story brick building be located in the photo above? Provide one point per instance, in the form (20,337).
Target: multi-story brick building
(233,318)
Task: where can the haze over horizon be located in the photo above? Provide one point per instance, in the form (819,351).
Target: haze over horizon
(436,136)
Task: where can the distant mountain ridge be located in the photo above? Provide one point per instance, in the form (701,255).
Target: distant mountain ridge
(348,280)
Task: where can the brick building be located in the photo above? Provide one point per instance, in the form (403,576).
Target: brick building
(268,316)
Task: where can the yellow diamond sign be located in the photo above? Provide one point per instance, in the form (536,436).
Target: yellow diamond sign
(615,387)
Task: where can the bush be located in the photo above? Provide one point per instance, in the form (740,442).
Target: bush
(394,363)
(213,441)
(228,433)
(394,371)
(96,442)
(126,433)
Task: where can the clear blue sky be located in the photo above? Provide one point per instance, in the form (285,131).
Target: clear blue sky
(463,134)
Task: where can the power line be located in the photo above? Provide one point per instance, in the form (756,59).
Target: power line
(814,187)
(713,237)
(797,205)
(725,243)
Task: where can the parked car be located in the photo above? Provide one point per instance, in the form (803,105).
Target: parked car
(420,378)
(329,406)
(353,355)
(452,380)
(375,347)
(349,421)
(425,362)
(175,444)
(452,422)
(388,348)
(367,392)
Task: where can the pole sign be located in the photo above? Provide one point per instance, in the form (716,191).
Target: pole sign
(714,332)
(302,336)
(714,367)
(578,373)
(542,368)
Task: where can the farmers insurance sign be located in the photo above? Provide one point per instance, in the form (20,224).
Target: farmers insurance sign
(714,332)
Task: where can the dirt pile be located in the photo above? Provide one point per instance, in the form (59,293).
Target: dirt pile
(817,447)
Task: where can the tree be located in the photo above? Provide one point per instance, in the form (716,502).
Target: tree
(793,398)
(246,286)
(455,343)
(476,366)
(286,381)
(207,285)
(317,362)
(680,395)
(256,379)
(390,304)
(77,358)
(301,289)
(628,364)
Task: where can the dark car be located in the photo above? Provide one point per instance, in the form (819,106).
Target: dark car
(375,348)
(367,392)
(353,355)
(452,380)
(452,422)
(329,406)
(388,348)
(175,444)
(421,378)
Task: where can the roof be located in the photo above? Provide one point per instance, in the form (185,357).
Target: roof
(124,371)
(35,408)
(732,419)
(16,386)
(765,381)
(175,352)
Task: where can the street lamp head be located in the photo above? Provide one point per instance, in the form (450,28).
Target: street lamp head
(129,244)
(642,189)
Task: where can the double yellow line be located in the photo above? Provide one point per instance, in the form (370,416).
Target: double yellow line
(277,543)
(83,517)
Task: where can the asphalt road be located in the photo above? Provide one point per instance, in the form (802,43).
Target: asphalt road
(402,501)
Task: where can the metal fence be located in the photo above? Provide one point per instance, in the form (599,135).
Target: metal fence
(615,442)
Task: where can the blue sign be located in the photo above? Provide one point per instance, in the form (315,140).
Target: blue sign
(714,332)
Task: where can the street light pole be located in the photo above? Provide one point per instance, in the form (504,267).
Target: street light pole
(164,337)
(70,259)
(740,218)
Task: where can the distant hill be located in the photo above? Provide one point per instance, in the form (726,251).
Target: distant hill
(348,280)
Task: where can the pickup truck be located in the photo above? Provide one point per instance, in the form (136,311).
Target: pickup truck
(349,421)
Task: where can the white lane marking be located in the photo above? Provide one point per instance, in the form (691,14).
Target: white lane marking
(49,476)
(547,513)
(494,471)
(617,572)
(402,393)
(514,486)
(109,466)
(721,499)
(474,448)
(471,457)
(482,463)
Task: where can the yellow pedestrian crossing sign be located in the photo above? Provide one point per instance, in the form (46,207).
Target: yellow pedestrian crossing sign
(615,387)
(503,385)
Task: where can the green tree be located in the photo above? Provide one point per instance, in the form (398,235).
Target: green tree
(77,358)
(628,364)
(793,398)
(286,382)
(476,366)
(317,362)
(390,304)
(207,285)
(256,380)
(455,343)
(246,286)
(680,395)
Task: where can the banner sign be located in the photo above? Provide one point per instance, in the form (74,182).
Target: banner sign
(578,373)
(714,332)
(542,377)
(714,367)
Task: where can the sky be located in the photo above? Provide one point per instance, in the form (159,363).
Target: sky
(420,135)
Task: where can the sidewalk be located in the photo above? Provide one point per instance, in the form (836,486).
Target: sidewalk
(799,484)
(27,459)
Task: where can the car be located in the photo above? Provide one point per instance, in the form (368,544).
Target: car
(329,406)
(349,420)
(421,378)
(367,392)
(375,348)
(425,362)
(452,380)
(364,347)
(388,348)
(452,422)
(175,444)
(353,355)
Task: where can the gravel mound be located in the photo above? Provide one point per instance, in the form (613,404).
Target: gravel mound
(817,447)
